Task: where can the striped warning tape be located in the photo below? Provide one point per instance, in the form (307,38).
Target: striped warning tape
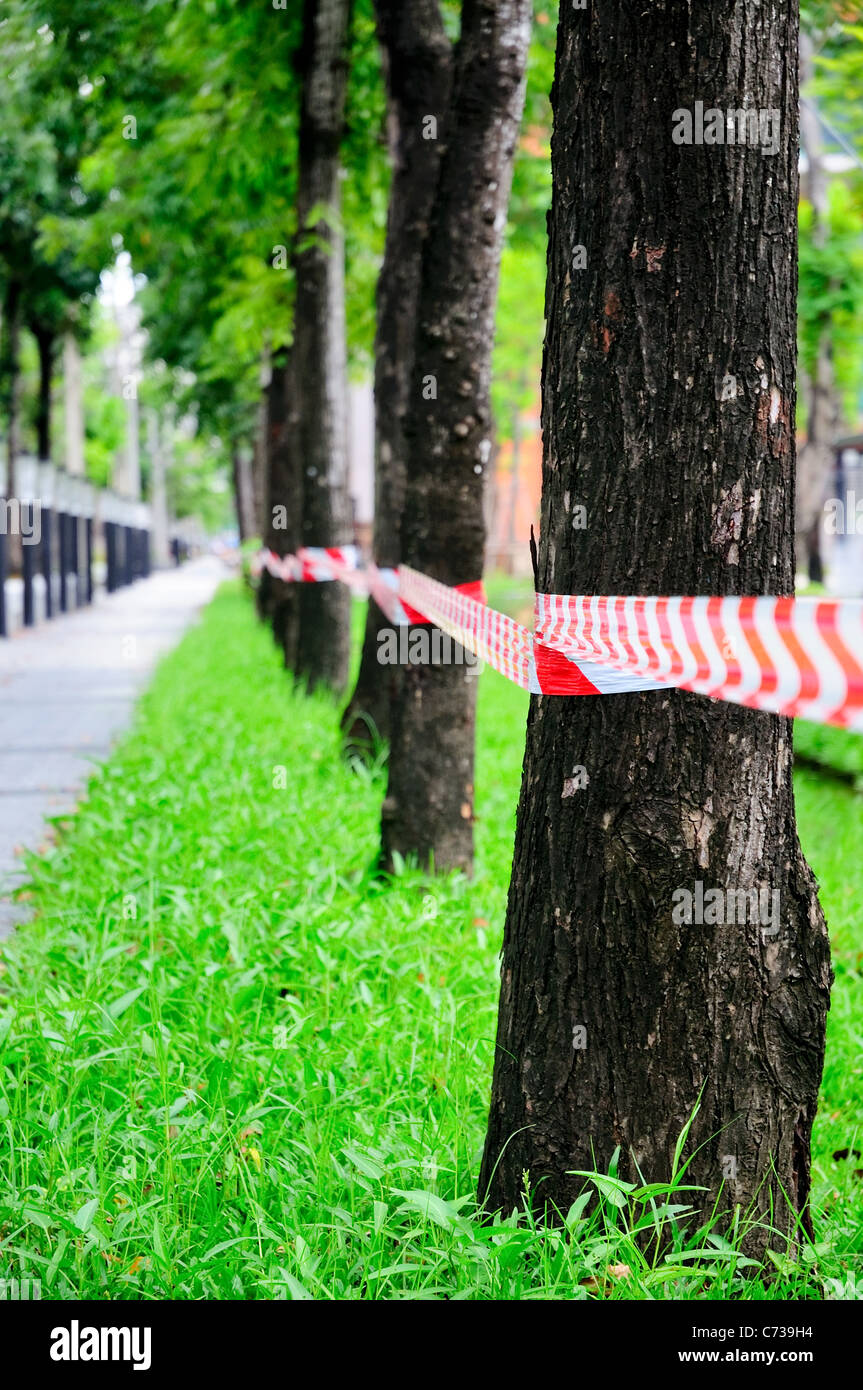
(797,657)
(501,641)
(801,657)
(312,564)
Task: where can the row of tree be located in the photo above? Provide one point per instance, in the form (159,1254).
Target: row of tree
(670,273)
(454,111)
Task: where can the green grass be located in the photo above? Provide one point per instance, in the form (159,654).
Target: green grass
(830,748)
(236,1064)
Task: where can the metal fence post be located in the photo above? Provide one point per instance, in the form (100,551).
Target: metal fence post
(63,537)
(75,555)
(28,558)
(3,632)
(45,557)
(110,556)
(88,541)
(46,502)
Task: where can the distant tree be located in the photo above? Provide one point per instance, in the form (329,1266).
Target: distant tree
(428,810)
(176,130)
(316,385)
(520,315)
(190,163)
(418,69)
(28,189)
(41,144)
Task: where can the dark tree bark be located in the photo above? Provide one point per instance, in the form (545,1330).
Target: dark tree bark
(428,810)
(279,601)
(260,462)
(668,410)
(319,349)
(417,58)
(45,341)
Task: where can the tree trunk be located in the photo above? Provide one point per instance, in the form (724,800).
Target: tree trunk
(319,348)
(668,410)
(260,463)
(417,57)
(280,602)
(428,810)
(45,344)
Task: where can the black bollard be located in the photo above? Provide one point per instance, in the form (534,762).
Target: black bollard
(45,558)
(3,632)
(111,556)
(120,543)
(88,558)
(75,556)
(63,533)
(118,555)
(28,564)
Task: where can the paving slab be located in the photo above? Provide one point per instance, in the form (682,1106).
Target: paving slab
(68,689)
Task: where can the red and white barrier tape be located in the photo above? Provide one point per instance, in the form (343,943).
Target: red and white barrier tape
(501,641)
(799,657)
(312,564)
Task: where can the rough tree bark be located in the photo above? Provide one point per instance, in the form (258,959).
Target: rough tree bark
(668,410)
(417,57)
(260,462)
(428,809)
(319,349)
(280,602)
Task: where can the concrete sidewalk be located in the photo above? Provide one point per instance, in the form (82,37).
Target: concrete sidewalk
(68,688)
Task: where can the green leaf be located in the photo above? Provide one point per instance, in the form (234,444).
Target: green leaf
(428,1204)
(85,1215)
(366,1165)
(119,1006)
(298,1291)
